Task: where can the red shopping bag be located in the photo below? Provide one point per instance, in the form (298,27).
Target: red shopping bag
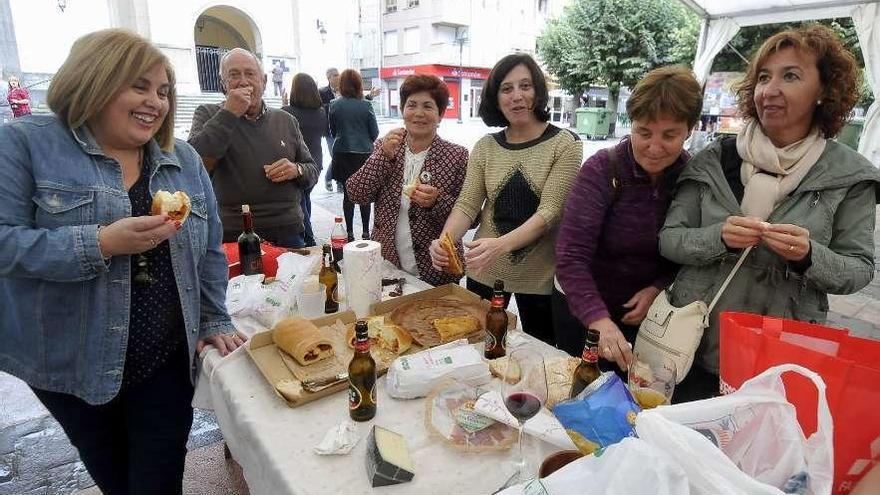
(270,253)
(850,367)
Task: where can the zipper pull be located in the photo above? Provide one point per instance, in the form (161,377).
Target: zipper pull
(816,196)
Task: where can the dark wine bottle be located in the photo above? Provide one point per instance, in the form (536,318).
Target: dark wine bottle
(249,252)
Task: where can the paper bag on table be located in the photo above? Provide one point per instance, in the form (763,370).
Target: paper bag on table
(415,375)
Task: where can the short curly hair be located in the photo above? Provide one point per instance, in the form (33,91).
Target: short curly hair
(838,72)
(433,85)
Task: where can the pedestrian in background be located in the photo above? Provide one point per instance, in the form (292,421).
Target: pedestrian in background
(803,203)
(354,129)
(305,106)
(96,319)
(278,80)
(516,184)
(19,98)
(329,93)
(608,263)
(414,176)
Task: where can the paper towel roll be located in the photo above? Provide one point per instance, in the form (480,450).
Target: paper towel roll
(363,275)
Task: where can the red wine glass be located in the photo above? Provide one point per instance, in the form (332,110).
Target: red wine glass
(524,395)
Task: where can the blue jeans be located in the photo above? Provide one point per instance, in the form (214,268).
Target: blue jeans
(330,140)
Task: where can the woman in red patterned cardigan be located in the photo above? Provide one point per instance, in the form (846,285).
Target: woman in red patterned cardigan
(413,170)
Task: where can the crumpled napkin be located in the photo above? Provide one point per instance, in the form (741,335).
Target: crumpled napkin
(339,440)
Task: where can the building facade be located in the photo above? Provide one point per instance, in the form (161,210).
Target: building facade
(300,36)
(457,40)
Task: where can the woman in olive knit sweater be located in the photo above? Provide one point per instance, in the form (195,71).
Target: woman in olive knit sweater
(516,184)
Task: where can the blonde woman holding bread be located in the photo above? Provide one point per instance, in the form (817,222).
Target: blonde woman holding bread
(414,177)
(105,304)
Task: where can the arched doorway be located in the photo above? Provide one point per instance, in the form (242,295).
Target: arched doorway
(218,30)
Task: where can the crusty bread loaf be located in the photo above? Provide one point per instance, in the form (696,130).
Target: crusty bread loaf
(301,339)
(383,333)
(291,390)
(504,368)
(177,206)
(454,267)
(560,374)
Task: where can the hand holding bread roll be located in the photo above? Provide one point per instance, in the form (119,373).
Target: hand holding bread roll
(177,205)
(454,265)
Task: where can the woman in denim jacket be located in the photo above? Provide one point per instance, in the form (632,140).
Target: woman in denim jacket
(104,305)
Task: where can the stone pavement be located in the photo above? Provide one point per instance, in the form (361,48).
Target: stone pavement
(36,458)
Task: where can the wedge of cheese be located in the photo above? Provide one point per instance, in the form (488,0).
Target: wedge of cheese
(388,460)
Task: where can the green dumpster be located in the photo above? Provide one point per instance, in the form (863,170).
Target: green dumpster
(594,122)
(851,132)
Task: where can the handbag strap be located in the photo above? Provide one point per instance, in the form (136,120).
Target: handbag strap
(739,263)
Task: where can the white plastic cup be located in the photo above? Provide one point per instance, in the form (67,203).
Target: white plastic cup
(311,304)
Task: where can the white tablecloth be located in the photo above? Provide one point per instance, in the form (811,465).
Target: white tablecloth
(274,443)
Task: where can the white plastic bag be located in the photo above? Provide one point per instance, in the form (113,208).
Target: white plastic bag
(629,467)
(248,296)
(748,442)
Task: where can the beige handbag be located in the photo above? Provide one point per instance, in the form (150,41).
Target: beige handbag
(674,333)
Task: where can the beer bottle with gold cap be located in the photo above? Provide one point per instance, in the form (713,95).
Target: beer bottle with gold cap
(361,377)
(327,276)
(496,324)
(588,369)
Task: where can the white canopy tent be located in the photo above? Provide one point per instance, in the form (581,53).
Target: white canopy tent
(722,19)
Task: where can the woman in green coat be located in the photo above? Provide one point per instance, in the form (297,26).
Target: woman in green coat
(804,202)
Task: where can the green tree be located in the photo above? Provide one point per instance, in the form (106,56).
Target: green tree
(749,39)
(615,42)
(732,57)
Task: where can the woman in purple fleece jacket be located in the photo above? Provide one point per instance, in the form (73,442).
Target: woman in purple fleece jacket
(608,263)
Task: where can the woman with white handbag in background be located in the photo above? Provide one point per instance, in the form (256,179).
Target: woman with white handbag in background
(609,268)
(803,204)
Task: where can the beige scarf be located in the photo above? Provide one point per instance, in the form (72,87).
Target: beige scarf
(770,173)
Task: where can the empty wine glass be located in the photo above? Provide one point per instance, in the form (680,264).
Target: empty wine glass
(651,383)
(525,396)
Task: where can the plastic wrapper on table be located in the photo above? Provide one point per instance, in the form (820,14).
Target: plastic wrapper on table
(450,416)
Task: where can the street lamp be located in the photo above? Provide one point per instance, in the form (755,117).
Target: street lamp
(460,39)
(321,30)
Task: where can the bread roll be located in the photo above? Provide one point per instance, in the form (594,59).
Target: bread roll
(177,206)
(454,267)
(384,334)
(302,340)
(504,368)
(290,389)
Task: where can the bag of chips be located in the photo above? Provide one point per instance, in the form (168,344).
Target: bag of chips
(602,415)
